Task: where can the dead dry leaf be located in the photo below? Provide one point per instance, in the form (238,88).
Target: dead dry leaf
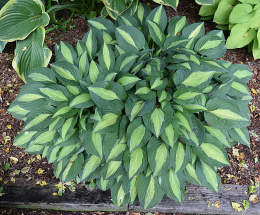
(236,206)
(13,160)
(253,198)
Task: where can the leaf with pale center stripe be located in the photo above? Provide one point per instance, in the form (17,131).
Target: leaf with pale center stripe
(190,174)
(207,176)
(90,166)
(83,100)
(126,38)
(158,156)
(106,57)
(108,122)
(158,119)
(138,162)
(224,113)
(240,135)
(173,185)
(137,134)
(149,191)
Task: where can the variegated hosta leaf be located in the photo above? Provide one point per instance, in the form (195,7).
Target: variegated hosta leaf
(126,38)
(66,52)
(180,155)
(106,57)
(173,185)
(137,134)
(207,176)
(108,94)
(190,174)
(66,72)
(31,15)
(158,119)
(135,162)
(31,53)
(224,113)
(120,198)
(221,135)
(149,191)
(158,156)
(90,166)
(114,148)
(171,133)
(240,135)
(211,152)
(73,168)
(112,169)
(104,184)
(93,143)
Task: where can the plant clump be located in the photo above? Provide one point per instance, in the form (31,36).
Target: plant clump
(241,17)
(141,105)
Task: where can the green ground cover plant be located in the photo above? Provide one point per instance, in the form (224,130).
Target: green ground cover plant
(23,21)
(241,17)
(141,105)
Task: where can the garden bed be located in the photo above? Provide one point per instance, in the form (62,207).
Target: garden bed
(244,166)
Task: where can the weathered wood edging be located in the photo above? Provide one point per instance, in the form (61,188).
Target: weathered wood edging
(198,200)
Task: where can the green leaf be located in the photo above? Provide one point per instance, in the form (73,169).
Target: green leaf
(138,162)
(158,119)
(30,53)
(149,191)
(158,156)
(106,57)
(207,176)
(90,166)
(125,36)
(223,113)
(137,134)
(173,185)
(66,72)
(30,16)
(244,13)
(223,12)
(2,46)
(240,135)
(108,120)
(73,168)
(240,36)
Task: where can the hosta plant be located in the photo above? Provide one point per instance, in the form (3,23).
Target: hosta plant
(141,105)
(23,21)
(241,17)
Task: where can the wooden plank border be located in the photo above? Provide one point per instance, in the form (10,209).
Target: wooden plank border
(198,200)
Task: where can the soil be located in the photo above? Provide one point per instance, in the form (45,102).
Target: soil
(244,167)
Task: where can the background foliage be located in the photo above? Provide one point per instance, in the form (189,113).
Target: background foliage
(241,17)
